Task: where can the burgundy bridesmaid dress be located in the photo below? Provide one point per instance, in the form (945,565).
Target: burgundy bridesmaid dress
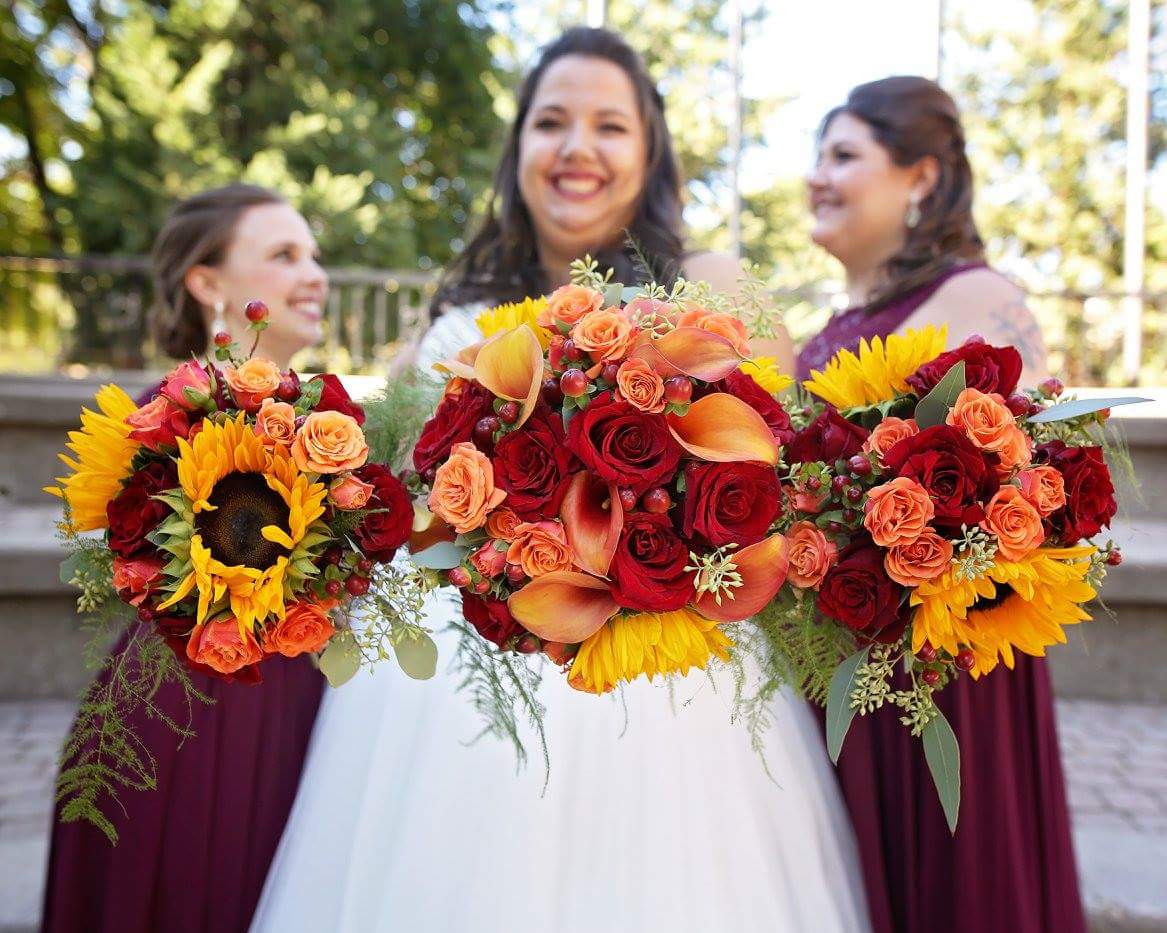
(192,855)
(1010,865)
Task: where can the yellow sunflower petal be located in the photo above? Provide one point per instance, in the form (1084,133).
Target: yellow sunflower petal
(879,371)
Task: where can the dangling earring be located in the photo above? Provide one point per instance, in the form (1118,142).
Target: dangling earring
(219,321)
(912,217)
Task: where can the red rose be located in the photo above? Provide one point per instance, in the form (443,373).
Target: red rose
(741,386)
(453,423)
(858,592)
(133,579)
(624,445)
(648,570)
(959,476)
(132,514)
(1090,503)
(828,438)
(730,502)
(533,464)
(390,521)
(491,618)
(334,397)
(158,424)
(989,369)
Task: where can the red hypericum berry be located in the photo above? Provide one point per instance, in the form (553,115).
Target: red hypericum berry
(428,475)
(145,614)
(836,528)
(854,494)
(484,432)
(627,499)
(609,372)
(859,465)
(365,566)
(333,587)
(1051,386)
(299,422)
(657,501)
(930,677)
(807,411)
(555,352)
(357,585)
(1114,558)
(459,576)
(508,412)
(482,587)
(528,644)
(927,653)
(1104,414)
(975,338)
(222,339)
(839,483)
(515,573)
(289,388)
(573,383)
(571,351)
(850,515)
(333,555)
(814,484)
(965,660)
(255,311)
(551,394)
(678,390)
(1035,409)
(1018,404)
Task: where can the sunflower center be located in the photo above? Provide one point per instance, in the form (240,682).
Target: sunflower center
(985,603)
(233,531)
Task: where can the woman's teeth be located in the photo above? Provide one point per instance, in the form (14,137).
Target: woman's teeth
(578,185)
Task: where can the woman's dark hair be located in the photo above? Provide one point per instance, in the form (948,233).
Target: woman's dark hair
(501,262)
(197,232)
(912,118)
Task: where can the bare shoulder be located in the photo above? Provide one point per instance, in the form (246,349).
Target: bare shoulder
(720,270)
(975,289)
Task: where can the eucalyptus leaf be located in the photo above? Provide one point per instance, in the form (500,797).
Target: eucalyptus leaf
(933,408)
(631,293)
(441,556)
(840,712)
(943,754)
(418,657)
(341,659)
(68,569)
(1083,406)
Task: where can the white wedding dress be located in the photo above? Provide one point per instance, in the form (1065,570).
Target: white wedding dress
(661,820)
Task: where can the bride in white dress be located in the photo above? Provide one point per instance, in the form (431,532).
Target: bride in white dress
(660,819)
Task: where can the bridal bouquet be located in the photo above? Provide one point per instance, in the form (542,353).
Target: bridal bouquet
(943,519)
(600,480)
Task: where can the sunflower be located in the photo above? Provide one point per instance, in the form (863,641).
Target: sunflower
(104,454)
(647,643)
(764,371)
(880,370)
(1019,605)
(508,316)
(244,524)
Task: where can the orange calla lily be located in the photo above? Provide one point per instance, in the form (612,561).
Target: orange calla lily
(432,531)
(461,364)
(510,365)
(701,354)
(592,517)
(723,428)
(763,571)
(563,606)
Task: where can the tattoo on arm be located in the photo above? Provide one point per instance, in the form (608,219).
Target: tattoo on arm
(1014,323)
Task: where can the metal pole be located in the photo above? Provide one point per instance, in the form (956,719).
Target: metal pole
(1134,227)
(735,128)
(597,12)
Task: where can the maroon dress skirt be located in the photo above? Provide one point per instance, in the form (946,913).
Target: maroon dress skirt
(192,855)
(1010,865)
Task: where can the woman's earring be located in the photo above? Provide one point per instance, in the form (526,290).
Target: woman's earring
(912,217)
(219,321)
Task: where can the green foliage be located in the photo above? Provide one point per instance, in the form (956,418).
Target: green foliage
(395,416)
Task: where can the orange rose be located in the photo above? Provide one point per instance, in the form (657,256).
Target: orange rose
(641,386)
(133,579)
(1016,453)
(812,554)
(568,304)
(926,558)
(275,422)
(329,442)
(463,490)
(897,512)
(990,425)
(725,325)
(305,627)
(539,548)
(1015,522)
(489,560)
(1044,488)
(253,381)
(503,524)
(350,493)
(605,335)
(803,500)
(221,647)
(888,433)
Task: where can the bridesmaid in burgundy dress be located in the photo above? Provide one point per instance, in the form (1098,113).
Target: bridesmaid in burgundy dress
(192,855)
(892,199)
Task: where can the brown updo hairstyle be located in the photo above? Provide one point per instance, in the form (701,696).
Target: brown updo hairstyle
(197,232)
(912,117)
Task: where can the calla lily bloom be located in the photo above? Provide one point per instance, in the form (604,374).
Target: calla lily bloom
(592,517)
(563,606)
(698,353)
(510,365)
(762,567)
(721,427)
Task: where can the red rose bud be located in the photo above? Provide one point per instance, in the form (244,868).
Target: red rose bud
(930,677)
(965,660)
(289,388)
(627,499)
(508,412)
(255,311)
(573,383)
(459,576)
(482,586)
(528,644)
(551,394)
(657,501)
(1114,558)
(484,433)
(515,573)
(927,653)
(222,339)
(333,587)
(1051,386)
(608,373)
(678,390)
(1018,404)
(571,351)
(356,585)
